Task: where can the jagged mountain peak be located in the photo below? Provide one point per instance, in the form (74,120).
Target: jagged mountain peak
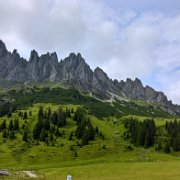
(33,56)
(78,59)
(54,56)
(100,74)
(73,71)
(3,50)
(16,55)
(98,69)
(137,81)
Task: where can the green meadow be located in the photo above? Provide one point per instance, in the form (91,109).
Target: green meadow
(110,157)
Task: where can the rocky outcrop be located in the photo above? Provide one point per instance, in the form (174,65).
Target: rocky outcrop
(43,68)
(73,71)
(3,50)
(11,65)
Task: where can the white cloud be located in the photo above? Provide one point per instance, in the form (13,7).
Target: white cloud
(124,43)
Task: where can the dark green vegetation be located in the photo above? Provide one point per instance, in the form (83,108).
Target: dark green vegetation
(173,131)
(60,96)
(59,131)
(26,96)
(140,133)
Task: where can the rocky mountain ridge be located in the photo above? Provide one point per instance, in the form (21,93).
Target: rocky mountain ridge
(73,71)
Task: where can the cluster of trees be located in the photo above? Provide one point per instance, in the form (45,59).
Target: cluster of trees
(47,127)
(10,129)
(7,109)
(140,133)
(173,130)
(48,123)
(24,115)
(85,130)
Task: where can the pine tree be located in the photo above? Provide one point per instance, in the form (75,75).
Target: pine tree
(141,134)
(47,124)
(49,113)
(43,135)
(16,124)
(57,133)
(85,138)
(167,148)
(91,130)
(20,114)
(25,115)
(40,113)
(9,114)
(3,125)
(150,133)
(25,136)
(79,115)
(12,134)
(51,137)
(30,113)
(54,118)
(85,131)
(4,135)
(61,121)
(176,144)
(97,130)
(70,136)
(68,112)
(72,110)
(37,129)
(159,146)
(10,127)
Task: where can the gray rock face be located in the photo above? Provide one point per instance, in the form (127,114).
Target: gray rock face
(11,65)
(73,71)
(43,68)
(3,50)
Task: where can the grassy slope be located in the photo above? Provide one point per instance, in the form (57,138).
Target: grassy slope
(93,162)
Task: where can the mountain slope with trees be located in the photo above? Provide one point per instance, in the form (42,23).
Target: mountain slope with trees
(74,72)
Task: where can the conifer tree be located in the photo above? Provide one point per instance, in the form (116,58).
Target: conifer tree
(10,127)
(30,113)
(16,124)
(54,118)
(47,124)
(37,129)
(25,136)
(12,134)
(167,148)
(43,135)
(4,135)
(25,115)
(3,125)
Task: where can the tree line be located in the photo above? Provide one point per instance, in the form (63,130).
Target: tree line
(85,131)
(48,126)
(140,133)
(7,109)
(173,130)
(49,122)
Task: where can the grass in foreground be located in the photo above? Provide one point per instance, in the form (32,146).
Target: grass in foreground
(113,171)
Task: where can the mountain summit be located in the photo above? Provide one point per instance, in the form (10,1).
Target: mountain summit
(73,71)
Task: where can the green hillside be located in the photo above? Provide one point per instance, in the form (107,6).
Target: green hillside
(85,137)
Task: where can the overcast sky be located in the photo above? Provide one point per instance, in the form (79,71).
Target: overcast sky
(126,38)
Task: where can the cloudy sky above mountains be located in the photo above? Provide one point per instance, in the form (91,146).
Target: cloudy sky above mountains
(126,38)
